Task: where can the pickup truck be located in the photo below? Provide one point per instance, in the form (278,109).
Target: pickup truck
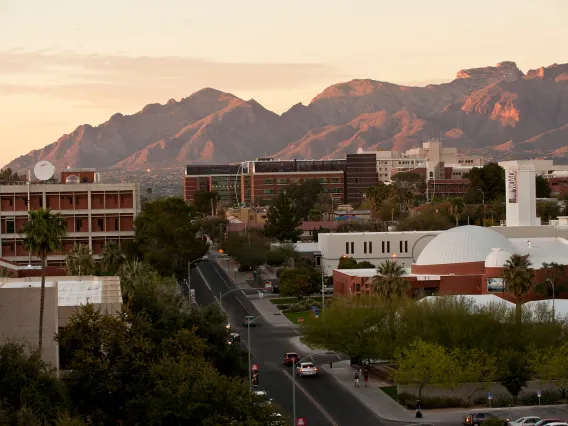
(477,418)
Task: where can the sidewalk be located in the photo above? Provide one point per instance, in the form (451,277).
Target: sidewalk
(231,268)
(387,408)
(272,314)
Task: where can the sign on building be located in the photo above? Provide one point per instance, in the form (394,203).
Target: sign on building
(512,187)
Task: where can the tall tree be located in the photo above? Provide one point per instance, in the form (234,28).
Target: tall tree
(112,259)
(346,262)
(518,277)
(80,261)
(389,283)
(205,201)
(374,197)
(304,197)
(542,188)
(488,180)
(282,222)
(457,208)
(165,238)
(43,233)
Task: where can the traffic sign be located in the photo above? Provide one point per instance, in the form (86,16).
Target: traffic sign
(490,396)
(538,394)
(254,367)
(300,421)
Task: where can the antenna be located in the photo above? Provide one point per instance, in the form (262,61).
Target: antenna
(44,170)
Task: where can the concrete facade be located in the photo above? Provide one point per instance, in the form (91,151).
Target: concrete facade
(95,213)
(20,302)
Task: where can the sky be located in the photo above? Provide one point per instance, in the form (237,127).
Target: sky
(64,63)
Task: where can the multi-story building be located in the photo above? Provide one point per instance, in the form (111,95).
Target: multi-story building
(95,213)
(256,183)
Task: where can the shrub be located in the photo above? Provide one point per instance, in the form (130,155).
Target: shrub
(548,397)
(431,402)
(501,400)
(282,307)
(275,257)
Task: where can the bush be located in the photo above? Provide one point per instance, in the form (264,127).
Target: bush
(548,397)
(427,402)
(275,257)
(501,400)
(282,307)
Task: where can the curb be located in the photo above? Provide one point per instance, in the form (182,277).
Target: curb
(366,403)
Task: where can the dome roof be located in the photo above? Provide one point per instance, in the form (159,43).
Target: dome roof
(463,244)
(497,258)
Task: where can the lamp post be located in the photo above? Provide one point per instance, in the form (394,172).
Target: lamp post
(294,380)
(189,276)
(248,341)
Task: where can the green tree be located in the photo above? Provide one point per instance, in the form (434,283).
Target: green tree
(80,261)
(374,197)
(547,210)
(164,237)
(8,176)
(320,230)
(489,180)
(212,226)
(314,215)
(249,250)
(205,201)
(518,277)
(389,283)
(304,197)
(515,370)
(426,221)
(282,222)
(553,366)
(457,208)
(351,326)
(423,364)
(554,279)
(299,282)
(346,262)
(473,366)
(43,234)
(364,265)
(28,382)
(112,258)
(542,188)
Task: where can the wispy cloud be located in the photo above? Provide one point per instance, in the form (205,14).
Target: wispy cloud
(103,81)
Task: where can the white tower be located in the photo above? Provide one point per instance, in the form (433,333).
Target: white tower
(520,192)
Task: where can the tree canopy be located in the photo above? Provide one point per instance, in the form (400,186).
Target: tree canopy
(282,219)
(165,238)
(205,202)
(486,182)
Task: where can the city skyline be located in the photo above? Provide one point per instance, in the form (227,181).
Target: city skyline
(66,65)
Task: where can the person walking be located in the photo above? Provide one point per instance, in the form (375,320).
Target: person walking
(366,376)
(356,378)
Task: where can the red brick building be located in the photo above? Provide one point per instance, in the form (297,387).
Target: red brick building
(95,213)
(256,183)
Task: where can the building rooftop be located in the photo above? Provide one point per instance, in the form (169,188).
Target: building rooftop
(542,250)
(74,291)
(478,299)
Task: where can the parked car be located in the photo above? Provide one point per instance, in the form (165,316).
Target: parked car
(557,424)
(249,321)
(263,397)
(233,338)
(306,369)
(525,421)
(291,358)
(547,421)
(478,418)
(228,325)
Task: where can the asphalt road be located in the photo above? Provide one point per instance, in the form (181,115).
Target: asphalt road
(321,401)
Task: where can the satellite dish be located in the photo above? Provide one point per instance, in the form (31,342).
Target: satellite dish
(44,170)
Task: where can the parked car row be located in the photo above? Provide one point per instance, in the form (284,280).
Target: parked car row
(478,418)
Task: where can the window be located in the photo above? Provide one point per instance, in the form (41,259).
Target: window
(100,224)
(282,181)
(406,246)
(323,180)
(269,181)
(116,224)
(347,247)
(357,288)
(70,200)
(370,247)
(400,246)
(383,246)
(365,247)
(352,247)
(10,226)
(269,191)
(25,200)
(335,180)
(78,225)
(335,190)
(84,179)
(388,246)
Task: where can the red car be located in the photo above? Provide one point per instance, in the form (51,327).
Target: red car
(291,358)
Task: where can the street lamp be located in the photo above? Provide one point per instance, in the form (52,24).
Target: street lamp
(189,275)
(294,379)
(248,341)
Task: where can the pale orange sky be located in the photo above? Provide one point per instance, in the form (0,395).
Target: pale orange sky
(64,63)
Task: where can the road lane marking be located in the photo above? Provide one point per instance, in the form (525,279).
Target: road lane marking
(311,398)
(203,278)
(223,279)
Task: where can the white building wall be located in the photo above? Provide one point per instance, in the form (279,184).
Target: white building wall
(520,191)
(374,247)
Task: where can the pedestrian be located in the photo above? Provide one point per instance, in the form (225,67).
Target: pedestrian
(356,378)
(366,376)
(418,409)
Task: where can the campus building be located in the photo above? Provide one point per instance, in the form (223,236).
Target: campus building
(95,213)
(19,311)
(256,183)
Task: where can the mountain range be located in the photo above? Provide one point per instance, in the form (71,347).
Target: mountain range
(497,111)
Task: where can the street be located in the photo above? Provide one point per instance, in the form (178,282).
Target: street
(321,400)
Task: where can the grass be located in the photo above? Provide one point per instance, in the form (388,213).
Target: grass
(284,300)
(293,316)
(391,391)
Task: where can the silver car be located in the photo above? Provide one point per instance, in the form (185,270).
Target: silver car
(306,369)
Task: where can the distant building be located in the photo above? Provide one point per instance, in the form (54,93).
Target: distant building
(95,213)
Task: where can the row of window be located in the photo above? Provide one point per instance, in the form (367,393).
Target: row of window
(11,225)
(368,247)
(286,181)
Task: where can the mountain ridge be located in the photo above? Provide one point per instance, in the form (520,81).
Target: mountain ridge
(496,110)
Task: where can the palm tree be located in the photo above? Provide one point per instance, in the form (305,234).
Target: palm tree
(80,261)
(457,208)
(43,234)
(131,273)
(518,278)
(112,258)
(389,282)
